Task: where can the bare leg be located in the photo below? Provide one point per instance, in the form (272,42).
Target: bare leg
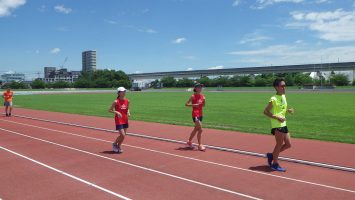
(6,109)
(287,142)
(193,133)
(121,137)
(279,137)
(10,109)
(199,132)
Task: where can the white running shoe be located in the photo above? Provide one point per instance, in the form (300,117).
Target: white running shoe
(115,148)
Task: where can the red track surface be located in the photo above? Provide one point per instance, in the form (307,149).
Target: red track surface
(150,169)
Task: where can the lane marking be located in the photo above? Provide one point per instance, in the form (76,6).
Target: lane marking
(189,158)
(66,174)
(137,166)
(293,160)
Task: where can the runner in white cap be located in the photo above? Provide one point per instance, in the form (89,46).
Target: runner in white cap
(121,109)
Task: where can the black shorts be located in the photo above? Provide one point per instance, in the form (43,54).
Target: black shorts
(281,129)
(121,126)
(195,119)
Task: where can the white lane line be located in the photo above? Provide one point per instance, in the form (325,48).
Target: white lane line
(190,158)
(137,166)
(293,160)
(66,174)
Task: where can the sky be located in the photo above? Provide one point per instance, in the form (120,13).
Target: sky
(139,36)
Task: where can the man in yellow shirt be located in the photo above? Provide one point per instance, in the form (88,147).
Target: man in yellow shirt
(276,110)
(8,95)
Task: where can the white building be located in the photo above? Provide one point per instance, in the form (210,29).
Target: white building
(12,76)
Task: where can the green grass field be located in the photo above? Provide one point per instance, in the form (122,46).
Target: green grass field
(321,116)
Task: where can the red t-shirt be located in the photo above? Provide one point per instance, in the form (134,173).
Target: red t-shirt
(121,107)
(200,100)
(8,96)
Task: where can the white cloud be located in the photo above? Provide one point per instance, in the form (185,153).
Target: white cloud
(142,29)
(149,30)
(62,9)
(189,69)
(42,8)
(179,40)
(111,21)
(55,50)
(7,6)
(190,57)
(295,54)
(261,4)
(323,1)
(338,25)
(237,3)
(254,38)
(217,67)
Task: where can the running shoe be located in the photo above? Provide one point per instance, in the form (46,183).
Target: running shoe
(269,158)
(7,115)
(201,148)
(277,167)
(120,150)
(115,148)
(189,144)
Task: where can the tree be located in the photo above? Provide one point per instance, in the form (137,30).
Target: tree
(103,79)
(155,84)
(260,81)
(185,82)
(246,81)
(38,84)
(339,80)
(168,81)
(222,81)
(15,85)
(235,81)
(303,79)
(60,84)
(290,80)
(205,81)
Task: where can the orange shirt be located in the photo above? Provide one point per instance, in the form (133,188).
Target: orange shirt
(8,96)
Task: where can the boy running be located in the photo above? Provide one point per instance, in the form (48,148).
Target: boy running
(121,109)
(8,95)
(276,111)
(197,102)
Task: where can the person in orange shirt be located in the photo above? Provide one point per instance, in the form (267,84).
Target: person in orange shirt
(8,95)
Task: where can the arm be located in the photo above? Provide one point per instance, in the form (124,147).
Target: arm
(128,113)
(112,109)
(188,103)
(267,112)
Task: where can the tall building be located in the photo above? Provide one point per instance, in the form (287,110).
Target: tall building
(89,61)
(48,70)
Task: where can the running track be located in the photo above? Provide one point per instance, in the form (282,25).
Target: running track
(42,160)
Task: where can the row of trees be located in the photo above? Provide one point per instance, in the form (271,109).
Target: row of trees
(98,79)
(292,79)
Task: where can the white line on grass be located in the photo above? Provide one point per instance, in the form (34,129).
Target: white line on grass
(189,158)
(66,174)
(137,166)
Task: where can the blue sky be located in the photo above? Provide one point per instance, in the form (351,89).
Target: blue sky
(166,35)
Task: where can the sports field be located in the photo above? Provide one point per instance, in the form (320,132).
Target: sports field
(321,116)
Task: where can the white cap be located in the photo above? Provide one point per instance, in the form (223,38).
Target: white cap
(121,89)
